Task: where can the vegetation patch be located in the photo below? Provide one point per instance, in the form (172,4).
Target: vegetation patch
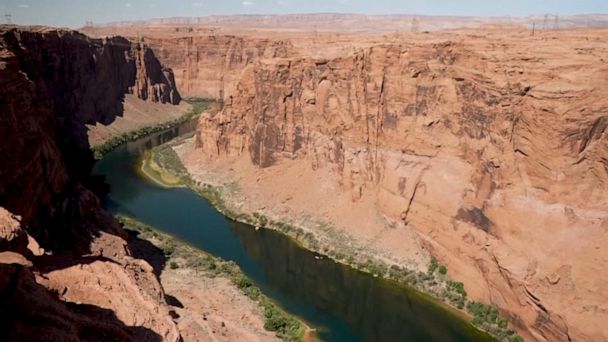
(488,318)
(284,325)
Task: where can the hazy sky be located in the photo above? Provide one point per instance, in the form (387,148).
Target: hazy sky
(73,13)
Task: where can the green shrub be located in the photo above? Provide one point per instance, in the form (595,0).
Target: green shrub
(252,292)
(286,327)
(243,282)
(173,265)
(433,266)
(442,269)
(488,318)
(261,220)
(168,249)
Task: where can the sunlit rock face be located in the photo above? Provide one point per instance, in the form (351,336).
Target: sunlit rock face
(210,65)
(500,164)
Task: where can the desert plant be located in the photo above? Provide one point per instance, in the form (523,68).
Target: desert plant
(433,266)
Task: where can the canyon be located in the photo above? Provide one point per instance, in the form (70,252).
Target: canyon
(491,150)
(68,269)
(484,148)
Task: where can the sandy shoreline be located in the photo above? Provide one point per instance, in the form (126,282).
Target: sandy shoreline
(151,171)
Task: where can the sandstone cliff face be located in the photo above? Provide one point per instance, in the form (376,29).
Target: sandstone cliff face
(153,81)
(498,160)
(52,84)
(80,283)
(210,66)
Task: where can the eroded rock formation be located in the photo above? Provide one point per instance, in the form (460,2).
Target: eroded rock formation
(106,294)
(210,66)
(205,63)
(497,159)
(80,283)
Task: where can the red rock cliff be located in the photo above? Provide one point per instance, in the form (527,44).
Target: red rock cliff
(52,83)
(498,160)
(210,66)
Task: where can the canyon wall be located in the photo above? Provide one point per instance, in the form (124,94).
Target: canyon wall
(497,157)
(66,270)
(209,66)
(53,83)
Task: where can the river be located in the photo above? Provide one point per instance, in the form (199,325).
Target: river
(343,304)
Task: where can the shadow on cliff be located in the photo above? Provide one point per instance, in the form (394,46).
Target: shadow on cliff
(30,312)
(139,249)
(144,249)
(50,263)
(52,84)
(56,82)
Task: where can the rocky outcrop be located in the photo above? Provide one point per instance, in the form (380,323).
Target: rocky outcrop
(210,66)
(153,81)
(498,171)
(81,298)
(12,237)
(79,282)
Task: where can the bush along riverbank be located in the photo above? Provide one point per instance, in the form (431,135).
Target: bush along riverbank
(285,326)
(434,281)
(199,105)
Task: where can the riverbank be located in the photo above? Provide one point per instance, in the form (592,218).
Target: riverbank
(212,298)
(433,280)
(141,119)
(153,166)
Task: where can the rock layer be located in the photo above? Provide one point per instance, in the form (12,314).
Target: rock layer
(498,160)
(105,295)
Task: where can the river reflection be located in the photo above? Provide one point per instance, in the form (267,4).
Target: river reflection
(377,310)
